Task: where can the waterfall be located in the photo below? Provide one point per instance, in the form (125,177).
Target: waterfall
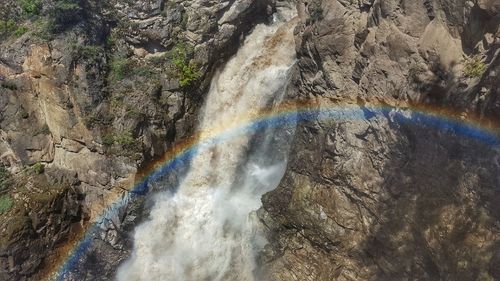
(207,229)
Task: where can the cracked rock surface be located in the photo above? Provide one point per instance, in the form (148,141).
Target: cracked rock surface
(89,95)
(390,197)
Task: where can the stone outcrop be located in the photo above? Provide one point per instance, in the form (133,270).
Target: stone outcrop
(91,91)
(390,197)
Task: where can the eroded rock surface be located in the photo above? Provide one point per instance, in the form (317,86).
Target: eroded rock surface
(92,91)
(390,197)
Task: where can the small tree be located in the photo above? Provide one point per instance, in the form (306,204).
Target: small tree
(181,58)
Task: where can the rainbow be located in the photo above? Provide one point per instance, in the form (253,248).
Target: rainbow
(484,130)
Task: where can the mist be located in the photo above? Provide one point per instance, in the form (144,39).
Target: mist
(207,229)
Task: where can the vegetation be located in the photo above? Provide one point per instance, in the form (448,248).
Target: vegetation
(30,7)
(474,67)
(20,31)
(120,68)
(133,112)
(181,58)
(125,138)
(184,20)
(64,13)
(38,168)
(10,27)
(45,29)
(108,140)
(59,16)
(89,52)
(111,40)
(143,71)
(124,24)
(5,203)
(7,27)
(5,179)
(116,100)
(68,7)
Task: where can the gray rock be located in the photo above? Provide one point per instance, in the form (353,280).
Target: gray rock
(388,197)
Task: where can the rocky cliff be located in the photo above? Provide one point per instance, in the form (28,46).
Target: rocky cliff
(91,92)
(390,197)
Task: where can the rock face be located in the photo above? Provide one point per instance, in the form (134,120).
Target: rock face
(90,92)
(390,197)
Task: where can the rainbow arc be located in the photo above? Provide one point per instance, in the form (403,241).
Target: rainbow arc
(483,130)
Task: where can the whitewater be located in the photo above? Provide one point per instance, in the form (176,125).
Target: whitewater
(207,228)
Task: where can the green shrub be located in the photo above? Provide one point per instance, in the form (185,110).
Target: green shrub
(125,138)
(5,203)
(68,7)
(184,20)
(181,57)
(188,75)
(88,52)
(108,140)
(10,27)
(143,71)
(133,112)
(5,179)
(66,11)
(20,31)
(120,68)
(45,29)
(38,168)
(474,67)
(7,27)
(111,40)
(30,7)
(64,14)
(116,101)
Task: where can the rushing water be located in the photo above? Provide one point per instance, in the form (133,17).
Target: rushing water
(207,229)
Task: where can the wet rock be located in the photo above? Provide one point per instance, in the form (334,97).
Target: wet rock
(94,100)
